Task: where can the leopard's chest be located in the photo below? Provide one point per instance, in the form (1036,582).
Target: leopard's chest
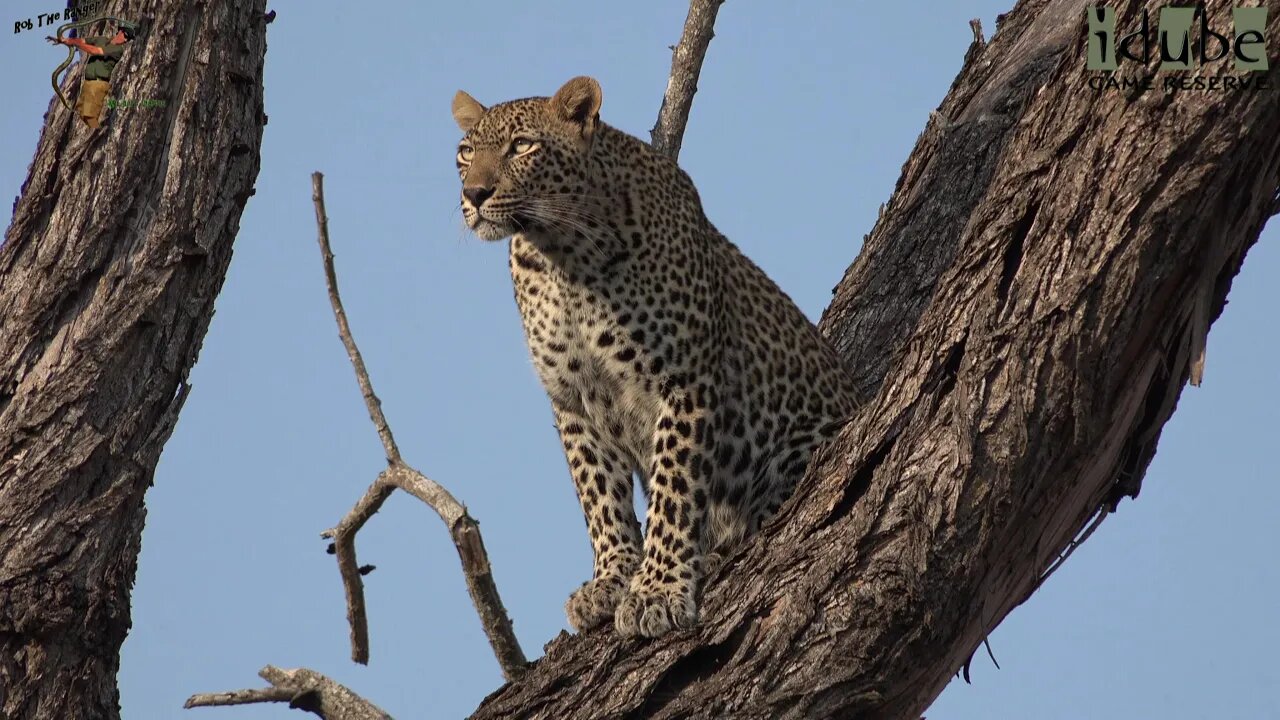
(585,351)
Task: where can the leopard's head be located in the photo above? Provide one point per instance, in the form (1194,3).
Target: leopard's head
(525,164)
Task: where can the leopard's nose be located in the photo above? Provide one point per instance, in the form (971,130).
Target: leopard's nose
(477,195)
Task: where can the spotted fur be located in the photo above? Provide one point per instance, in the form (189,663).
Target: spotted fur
(666,352)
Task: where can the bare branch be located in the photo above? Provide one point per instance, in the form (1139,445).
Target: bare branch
(686,65)
(249,696)
(465,532)
(344,547)
(304,690)
(344,329)
(462,527)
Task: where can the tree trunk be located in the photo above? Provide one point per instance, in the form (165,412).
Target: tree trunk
(1025,315)
(108,274)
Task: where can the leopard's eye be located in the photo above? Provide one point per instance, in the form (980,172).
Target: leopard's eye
(465,152)
(520,146)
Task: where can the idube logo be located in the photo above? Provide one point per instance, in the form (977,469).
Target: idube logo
(1193,53)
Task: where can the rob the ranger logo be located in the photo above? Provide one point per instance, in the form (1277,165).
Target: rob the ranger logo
(1247,44)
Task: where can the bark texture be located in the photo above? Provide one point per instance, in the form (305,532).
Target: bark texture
(119,245)
(1025,314)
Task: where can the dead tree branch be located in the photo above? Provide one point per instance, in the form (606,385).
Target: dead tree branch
(462,527)
(303,690)
(371,400)
(686,66)
(248,696)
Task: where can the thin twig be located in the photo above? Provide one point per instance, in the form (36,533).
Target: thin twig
(304,690)
(686,65)
(344,330)
(464,530)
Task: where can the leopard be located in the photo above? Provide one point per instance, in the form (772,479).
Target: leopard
(671,360)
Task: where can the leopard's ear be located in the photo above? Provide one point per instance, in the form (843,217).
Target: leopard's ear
(466,111)
(578,103)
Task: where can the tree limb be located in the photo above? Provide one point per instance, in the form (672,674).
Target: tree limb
(464,530)
(371,400)
(303,690)
(686,65)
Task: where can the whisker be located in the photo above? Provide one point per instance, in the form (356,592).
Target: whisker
(592,196)
(561,220)
(564,210)
(461,237)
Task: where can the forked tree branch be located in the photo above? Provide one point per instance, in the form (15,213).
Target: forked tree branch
(308,690)
(462,527)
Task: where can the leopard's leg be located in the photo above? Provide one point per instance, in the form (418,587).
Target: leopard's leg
(662,594)
(777,480)
(602,476)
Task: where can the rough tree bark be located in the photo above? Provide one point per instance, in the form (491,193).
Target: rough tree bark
(119,245)
(1025,314)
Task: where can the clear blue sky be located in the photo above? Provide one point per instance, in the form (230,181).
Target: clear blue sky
(1168,612)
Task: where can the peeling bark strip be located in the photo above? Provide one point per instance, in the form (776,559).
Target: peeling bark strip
(1026,311)
(108,274)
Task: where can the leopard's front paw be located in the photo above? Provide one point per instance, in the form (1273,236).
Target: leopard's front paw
(593,604)
(653,609)
(711,564)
